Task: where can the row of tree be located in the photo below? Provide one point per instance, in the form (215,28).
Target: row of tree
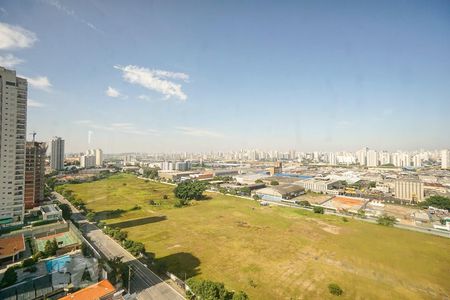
(211,290)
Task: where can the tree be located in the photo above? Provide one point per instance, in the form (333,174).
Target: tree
(240,296)
(436,201)
(209,290)
(386,220)
(9,278)
(119,273)
(318,210)
(274,182)
(151,173)
(256,197)
(258,181)
(51,246)
(66,211)
(90,216)
(245,190)
(188,190)
(335,289)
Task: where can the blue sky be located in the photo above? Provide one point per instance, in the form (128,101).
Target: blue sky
(220,75)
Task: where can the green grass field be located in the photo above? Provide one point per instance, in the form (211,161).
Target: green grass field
(274,252)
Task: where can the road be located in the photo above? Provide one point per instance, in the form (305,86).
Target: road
(145,283)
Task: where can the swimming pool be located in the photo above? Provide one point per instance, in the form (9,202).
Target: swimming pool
(58,264)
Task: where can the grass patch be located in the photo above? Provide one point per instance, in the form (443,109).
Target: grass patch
(273,252)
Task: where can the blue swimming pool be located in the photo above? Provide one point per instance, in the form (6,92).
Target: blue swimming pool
(57,264)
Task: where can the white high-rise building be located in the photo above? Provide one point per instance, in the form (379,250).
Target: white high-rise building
(445,159)
(332,159)
(98,154)
(385,157)
(417,161)
(57,154)
(87,161)
(362,156)
(13,120)
(372,158)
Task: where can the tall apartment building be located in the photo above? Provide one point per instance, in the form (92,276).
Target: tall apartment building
(13,120)
(372,158)
(445,159)
(34,174)
(362,156)
(410,190)
(98,154)
(87,161)
(57,154)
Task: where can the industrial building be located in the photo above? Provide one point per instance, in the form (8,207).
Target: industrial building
(279,192)
(410,190)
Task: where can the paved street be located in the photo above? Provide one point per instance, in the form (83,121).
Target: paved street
(145,283)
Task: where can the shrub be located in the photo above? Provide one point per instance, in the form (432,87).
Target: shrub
(344,219)
(28,262)
(31,269)
(335,289)
(9,278)
(318,210)
(386,220)
(274,182)
(165,197)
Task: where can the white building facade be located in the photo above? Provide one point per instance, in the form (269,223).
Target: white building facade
(13,110)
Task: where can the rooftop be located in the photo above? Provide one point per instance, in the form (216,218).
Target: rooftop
(11,245)
(93,292)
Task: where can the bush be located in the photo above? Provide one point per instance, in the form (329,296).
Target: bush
(9,278)
(188,190)
(386,220)
(31,269)
(28,262)
(318,210)
(90,216)
(165,197)
(344,219)
(274,182)
(335,289)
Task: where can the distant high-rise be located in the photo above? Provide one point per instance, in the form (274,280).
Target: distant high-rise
(57,154)
(13,120)
(98,158)
(372,158)
(362,156)
(34,174)
(445,159)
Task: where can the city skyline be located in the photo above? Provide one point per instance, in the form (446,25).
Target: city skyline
(203,77)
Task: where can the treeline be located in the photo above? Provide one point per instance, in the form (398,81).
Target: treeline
(211,290)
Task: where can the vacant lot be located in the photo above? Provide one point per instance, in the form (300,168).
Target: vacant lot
(274,252)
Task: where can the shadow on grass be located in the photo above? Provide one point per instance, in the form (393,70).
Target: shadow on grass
(183,265)
(109,214)
(138,222)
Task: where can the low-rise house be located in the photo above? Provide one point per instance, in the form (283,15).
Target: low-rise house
(51,212)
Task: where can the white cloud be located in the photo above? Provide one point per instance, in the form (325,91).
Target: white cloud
(112,92)
(155,80)
(12,37)
(144,97)
(9,61)
(39,82)
(71,13)
(33,103)
(127,128)
(200,132)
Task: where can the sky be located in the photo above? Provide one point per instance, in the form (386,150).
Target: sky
(175,76)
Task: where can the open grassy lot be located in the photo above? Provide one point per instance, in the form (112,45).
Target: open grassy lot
(274,252)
